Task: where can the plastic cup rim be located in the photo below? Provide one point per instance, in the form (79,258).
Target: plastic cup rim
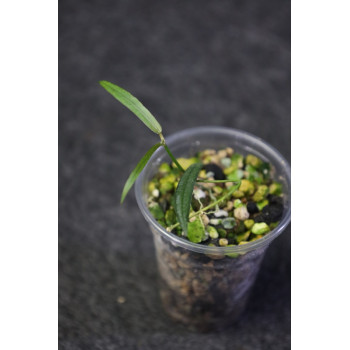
(182,242)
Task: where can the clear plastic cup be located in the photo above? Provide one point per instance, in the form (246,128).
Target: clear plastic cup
(208,287)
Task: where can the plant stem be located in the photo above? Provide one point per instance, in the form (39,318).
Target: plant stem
(169,152)
(173,158)
(228,194)
(214,181)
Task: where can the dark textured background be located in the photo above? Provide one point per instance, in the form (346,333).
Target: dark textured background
(192,63)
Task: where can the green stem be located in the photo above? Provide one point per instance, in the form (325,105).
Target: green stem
(214,181)
(169,152)
(228,194)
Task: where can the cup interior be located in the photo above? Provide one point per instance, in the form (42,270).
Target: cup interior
(186,144)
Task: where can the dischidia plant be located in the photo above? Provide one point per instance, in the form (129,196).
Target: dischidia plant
(237,201)
(184,189)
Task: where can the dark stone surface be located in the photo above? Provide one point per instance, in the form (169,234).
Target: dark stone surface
(192,63)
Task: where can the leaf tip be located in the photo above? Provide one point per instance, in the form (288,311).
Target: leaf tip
(102,83)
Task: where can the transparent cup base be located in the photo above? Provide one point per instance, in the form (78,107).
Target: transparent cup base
(208,287)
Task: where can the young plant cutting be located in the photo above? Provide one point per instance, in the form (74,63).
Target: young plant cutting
(235,191)
(215,209)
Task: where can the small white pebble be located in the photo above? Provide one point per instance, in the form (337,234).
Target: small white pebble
(215,221)
(220,213)
(155,193)
(228,223)
(241,213)
(226,162)
(205,219)
(198,193)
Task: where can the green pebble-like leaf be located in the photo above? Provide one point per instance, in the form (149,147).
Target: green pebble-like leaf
(136,172)
(133,104)
(196,231)
(183,194)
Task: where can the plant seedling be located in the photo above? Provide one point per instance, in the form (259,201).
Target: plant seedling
(184,190)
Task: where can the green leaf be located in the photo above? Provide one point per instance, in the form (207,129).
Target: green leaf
(136,172)
(183,194)
(133,104)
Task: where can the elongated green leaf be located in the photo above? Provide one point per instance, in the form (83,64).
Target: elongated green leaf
(133,104)
(136,172)
(183,194)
